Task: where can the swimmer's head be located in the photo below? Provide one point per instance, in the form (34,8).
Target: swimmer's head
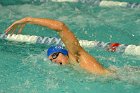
(58,54)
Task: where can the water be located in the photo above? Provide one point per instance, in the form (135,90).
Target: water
(24,68)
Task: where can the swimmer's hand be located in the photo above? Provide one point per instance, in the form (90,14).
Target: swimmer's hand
(20,24)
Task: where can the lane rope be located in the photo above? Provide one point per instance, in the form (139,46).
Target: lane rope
(112,47)
(104,3)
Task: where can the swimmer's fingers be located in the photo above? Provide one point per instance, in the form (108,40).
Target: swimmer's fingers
(9,29)
(21,28)
(13,30)
(14,25)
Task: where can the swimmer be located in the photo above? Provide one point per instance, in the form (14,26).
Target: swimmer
(73,54)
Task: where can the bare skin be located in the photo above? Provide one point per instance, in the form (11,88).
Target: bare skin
(76,53)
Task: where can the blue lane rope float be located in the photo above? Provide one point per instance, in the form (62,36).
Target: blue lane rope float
(113,47)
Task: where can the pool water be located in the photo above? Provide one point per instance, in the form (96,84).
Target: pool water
(24,68)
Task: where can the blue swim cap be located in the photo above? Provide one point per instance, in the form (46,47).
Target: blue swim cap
(55,49)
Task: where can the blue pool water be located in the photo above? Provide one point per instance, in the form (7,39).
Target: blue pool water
(24,68)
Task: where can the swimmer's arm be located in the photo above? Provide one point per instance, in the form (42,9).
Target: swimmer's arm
(66,35)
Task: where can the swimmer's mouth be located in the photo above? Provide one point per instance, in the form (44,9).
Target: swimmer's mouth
(60,63)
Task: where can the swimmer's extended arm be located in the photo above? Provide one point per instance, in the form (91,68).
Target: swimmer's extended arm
(66,35)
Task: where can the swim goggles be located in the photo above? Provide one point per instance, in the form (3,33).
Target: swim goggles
(55,55)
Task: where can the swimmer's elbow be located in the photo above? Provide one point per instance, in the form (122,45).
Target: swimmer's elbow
(63,27)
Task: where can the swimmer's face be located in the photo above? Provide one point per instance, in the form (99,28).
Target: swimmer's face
(59,58)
